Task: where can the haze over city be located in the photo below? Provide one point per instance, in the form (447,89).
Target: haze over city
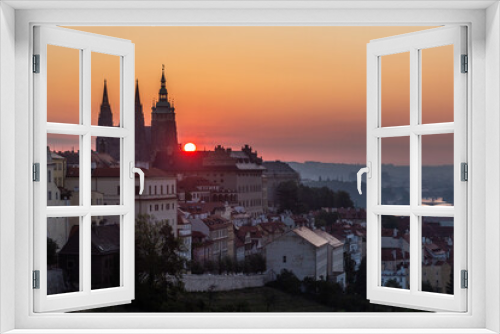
(292,93)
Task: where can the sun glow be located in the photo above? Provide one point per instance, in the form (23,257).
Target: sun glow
(190,147)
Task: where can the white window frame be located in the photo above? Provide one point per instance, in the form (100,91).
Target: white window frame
(86,44)
(413,44)
(483,19)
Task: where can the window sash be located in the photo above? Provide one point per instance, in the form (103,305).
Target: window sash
(413,43)
(86,44)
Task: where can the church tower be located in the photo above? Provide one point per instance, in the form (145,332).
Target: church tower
(107,145)
(141,146)
(163,126)
(105,115)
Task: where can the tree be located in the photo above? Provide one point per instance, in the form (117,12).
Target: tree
(270,299)
(449,285)
(392,283)
(288,196)
(349,268)
(326,218)
(52,248)
(157,258)
(212,296)
(359,286)
(343,200)
(427,286)
(288,282)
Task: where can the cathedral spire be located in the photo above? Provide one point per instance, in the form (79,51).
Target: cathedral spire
(105,100)
(137,96)
(163,90)
(105,114)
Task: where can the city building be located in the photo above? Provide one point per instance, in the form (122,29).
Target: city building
(159,198)
(276,173)
(301,251)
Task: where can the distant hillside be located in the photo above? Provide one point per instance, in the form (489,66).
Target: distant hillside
(311,170)
(437,181)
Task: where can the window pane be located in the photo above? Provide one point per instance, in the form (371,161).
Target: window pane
(63,255)
(437,170)
(63,85)
(437,254)
(395,90)
(395,253)
(395,171)
(63,160)
(105,89)
(105,238)
(437,84)
(105,187)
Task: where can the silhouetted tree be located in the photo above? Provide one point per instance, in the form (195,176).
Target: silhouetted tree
(427,286)
(288,196)
(301,199)
(349,268)
(343,200)
(52,248)
(392,283)
(156,257)
(449,285)
(359,285)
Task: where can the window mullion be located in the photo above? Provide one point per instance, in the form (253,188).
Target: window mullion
(85,172)
(414,168)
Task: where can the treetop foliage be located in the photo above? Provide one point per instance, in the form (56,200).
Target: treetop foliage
(299,198)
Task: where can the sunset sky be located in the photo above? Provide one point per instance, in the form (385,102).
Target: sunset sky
(292,93)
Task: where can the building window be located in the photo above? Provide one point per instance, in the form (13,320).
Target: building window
(49,195)
(284,259)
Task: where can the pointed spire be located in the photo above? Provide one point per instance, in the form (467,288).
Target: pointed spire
(105,114)
(163,90)
(163,81)
(137,96)
(105,100)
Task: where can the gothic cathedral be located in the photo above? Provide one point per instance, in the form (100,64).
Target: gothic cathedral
(161,137)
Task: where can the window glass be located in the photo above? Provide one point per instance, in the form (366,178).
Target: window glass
(63,160)
(105,239)
(395,252)
(105,90)
(105,169)
(395,89)
(63,255)
(437,254)
(395,170)
(63,85)
(437,84)
(437,170)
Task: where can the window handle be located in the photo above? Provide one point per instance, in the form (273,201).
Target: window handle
(368,171)
(141,176)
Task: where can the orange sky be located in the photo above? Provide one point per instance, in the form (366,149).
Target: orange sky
(292,93)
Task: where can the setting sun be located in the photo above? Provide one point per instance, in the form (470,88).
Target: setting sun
(190,147)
